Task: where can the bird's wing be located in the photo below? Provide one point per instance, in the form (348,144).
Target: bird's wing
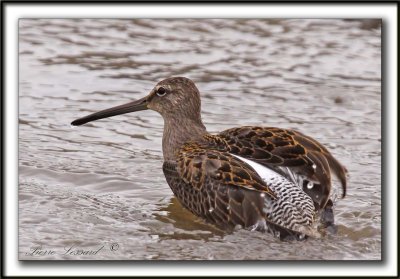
(220,187)
(316,151)
(196,164)
(226,206)
(288,149)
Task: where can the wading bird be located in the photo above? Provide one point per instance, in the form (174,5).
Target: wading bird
(259,178)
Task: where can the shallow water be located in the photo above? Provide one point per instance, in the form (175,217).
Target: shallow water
(99,188)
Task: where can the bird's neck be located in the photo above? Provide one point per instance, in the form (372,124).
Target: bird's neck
(179,130)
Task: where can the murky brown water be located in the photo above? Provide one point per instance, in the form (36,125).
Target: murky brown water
(101,185)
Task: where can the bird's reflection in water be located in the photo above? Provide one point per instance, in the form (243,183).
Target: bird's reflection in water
(186,225)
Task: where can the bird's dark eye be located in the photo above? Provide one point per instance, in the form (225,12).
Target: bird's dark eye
(161,91)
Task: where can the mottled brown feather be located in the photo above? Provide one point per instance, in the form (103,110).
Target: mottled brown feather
(226,206)
(198,161)
(275,147)
(311,144)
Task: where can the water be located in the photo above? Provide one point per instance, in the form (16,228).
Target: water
(98,191)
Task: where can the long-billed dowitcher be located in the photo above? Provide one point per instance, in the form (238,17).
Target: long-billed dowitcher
(258,178)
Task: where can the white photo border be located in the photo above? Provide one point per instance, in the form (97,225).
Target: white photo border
(12,11)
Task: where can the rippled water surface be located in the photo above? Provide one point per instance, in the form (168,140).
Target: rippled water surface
(99,188)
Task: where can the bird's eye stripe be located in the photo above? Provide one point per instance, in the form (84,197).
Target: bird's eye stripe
(161,91)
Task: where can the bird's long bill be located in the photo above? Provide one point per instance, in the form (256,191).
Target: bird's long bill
(137,105)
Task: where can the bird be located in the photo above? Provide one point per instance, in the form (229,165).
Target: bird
(257,178)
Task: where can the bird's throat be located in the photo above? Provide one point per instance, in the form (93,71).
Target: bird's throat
(178,131)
